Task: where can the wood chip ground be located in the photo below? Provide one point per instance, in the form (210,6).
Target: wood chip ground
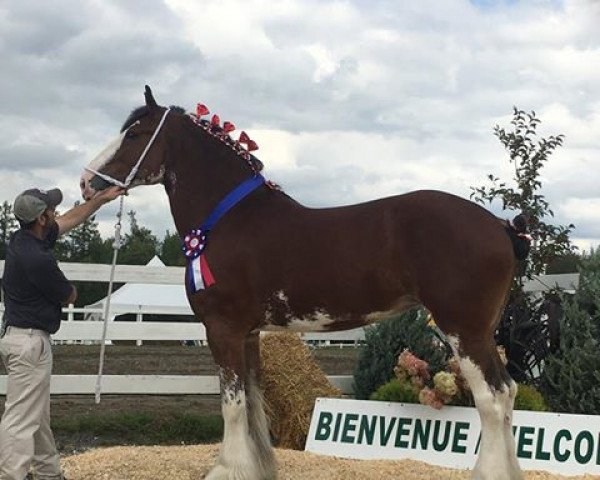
(193,462)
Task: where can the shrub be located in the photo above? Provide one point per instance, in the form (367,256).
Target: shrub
(404,391)
(570,380)
(385,341)
(396,391)
(529,398)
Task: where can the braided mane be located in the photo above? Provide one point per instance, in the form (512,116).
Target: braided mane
(216,130)
(221,132)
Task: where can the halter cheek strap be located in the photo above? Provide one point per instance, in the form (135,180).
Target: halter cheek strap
(136,167)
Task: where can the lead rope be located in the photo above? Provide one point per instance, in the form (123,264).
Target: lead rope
(116,246)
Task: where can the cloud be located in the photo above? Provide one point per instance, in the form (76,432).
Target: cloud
(348,100)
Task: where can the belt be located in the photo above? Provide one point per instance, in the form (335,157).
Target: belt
(26,331)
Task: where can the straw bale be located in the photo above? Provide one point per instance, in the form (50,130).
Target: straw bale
(291,381)
(193,462)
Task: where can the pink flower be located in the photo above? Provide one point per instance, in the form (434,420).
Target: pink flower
(417,382)
(426,396)
(413,365)
(401,373)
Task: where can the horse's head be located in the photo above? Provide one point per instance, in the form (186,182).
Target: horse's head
(135,157)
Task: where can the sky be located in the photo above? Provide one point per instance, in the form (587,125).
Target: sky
(348,100)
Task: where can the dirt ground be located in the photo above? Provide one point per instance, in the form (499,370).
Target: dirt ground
(193,462)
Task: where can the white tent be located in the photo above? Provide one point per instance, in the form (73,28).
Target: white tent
(135,297)
(144,298)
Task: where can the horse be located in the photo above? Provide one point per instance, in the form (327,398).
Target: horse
(258,260)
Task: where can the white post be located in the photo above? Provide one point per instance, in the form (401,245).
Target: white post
(138,318)
(70,318)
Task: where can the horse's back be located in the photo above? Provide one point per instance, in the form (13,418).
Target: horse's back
(379,257)
(425,220)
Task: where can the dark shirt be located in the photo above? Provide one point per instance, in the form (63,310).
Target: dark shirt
(34,286)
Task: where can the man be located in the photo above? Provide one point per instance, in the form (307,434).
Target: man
(34,288)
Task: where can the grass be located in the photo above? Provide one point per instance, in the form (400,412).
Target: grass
(139,428)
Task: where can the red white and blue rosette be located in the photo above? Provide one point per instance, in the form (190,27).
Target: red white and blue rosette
(199,275)
(194,244)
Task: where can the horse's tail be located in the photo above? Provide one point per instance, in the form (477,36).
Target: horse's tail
(519,237)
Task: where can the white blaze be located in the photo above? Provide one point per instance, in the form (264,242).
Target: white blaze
(107,153)
(98,162)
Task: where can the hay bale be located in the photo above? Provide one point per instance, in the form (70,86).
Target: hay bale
(291,381)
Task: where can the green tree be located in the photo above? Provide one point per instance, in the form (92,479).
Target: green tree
(528,155)
(170,252)
(568,263)
(528,325)
(8,224)
(571,377)
(139,246)
(83,244)
(589,282)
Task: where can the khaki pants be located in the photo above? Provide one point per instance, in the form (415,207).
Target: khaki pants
(25,436)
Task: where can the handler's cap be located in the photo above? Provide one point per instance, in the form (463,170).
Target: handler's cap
(30,204)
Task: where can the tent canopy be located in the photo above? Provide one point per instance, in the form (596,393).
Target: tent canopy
(131,296)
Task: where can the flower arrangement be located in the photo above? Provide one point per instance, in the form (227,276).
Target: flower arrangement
(414,383)
(412,368)
(444,387)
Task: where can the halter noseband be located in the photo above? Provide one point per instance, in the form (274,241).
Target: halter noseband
(136,167)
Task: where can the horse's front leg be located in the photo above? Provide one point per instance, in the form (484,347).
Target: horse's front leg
(257,420)
(240,454)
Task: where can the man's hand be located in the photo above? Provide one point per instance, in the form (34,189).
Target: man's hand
(72,297)
(109,194)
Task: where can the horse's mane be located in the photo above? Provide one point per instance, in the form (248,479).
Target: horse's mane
(213,130)
(142,111)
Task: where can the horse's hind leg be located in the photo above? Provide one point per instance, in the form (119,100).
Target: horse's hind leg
(494,394)
(240,456)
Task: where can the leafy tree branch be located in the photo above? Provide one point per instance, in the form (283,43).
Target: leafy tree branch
(528,154)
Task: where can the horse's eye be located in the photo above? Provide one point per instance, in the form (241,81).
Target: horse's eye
(130,134)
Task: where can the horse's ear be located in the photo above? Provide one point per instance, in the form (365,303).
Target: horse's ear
(150,102)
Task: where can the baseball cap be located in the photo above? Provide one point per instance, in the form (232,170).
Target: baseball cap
(30,204)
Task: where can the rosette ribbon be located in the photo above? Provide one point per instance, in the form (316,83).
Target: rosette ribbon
(200,276)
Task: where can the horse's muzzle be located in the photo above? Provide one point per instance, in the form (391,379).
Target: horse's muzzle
(98,183)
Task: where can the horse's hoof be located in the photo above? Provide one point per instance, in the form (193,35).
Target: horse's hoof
(218,472)
(479,475)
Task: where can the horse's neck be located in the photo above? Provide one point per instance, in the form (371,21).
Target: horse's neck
(200,173)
